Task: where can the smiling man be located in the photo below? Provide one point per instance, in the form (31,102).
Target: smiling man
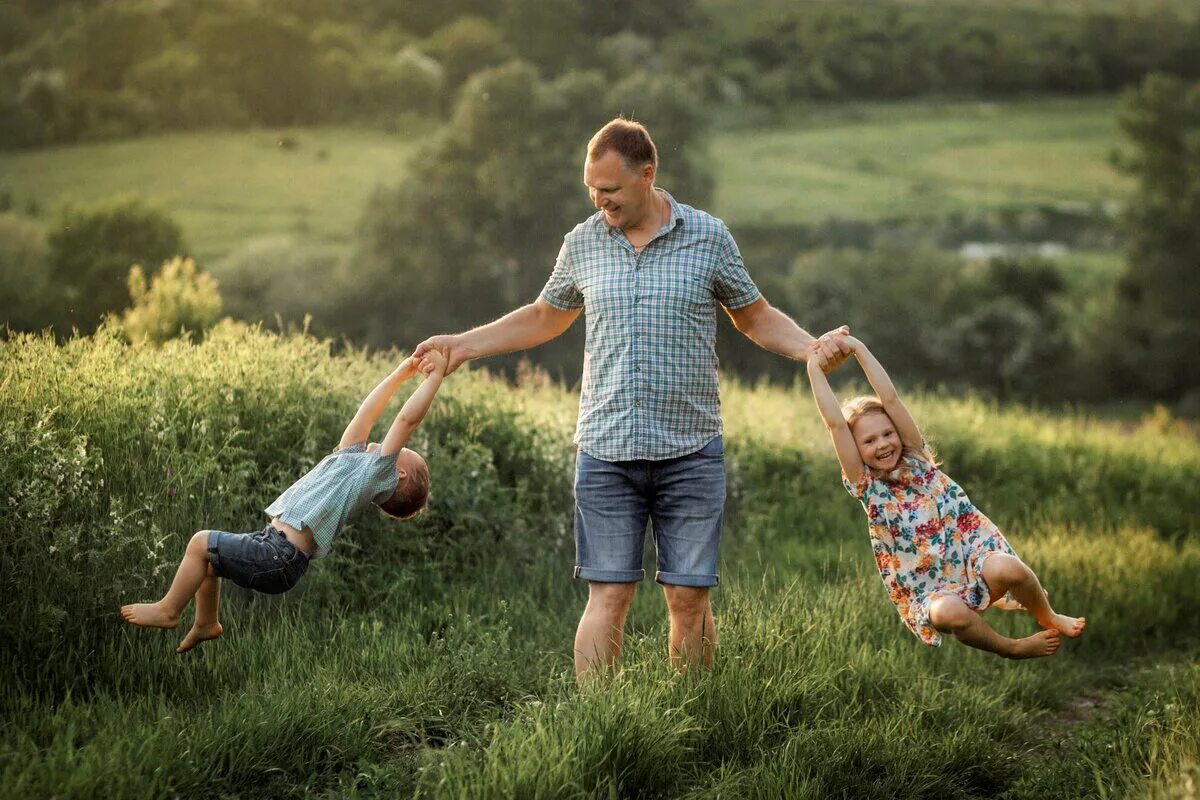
(650,273)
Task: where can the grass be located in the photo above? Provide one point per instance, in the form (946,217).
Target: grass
(869,161)
(433,659)
(914,160)
(224,187)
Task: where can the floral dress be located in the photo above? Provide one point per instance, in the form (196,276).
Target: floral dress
(928,538)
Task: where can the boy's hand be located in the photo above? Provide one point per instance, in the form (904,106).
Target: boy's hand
(433,361)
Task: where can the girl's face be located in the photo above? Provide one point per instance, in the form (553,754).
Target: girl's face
(877,440)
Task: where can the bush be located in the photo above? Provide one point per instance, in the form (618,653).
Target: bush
(179,300)
(91,251)
(23,280)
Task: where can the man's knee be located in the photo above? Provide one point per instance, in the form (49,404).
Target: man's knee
(948,613)
(611,599)
(686,601)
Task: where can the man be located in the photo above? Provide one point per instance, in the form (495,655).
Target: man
(650,273)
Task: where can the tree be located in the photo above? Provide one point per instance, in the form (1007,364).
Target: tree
(1157,304)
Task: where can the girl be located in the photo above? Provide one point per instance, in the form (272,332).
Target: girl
(941,560)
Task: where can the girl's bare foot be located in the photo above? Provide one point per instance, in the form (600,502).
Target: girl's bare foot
(198,634)
(1044,643)
(1007,603)
(1069,626)
(149,615)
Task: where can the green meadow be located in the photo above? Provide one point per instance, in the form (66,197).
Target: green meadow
(432,658)
(863,161)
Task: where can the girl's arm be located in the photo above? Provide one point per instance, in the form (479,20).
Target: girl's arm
(906,426)
(839,431)
(414,408)
(372,406)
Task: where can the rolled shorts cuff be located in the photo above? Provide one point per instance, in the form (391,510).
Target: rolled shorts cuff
(214,557)
(680,579)
(610,575)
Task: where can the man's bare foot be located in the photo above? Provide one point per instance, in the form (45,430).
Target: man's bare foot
(1069,626)
(149,615)
(1044,643)
(198,634)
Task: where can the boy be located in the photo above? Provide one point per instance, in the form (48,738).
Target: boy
(306,518)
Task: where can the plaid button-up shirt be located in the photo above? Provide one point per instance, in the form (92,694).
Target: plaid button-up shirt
(650,388)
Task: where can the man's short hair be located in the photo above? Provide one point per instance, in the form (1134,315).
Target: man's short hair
(411,493)
(630,139)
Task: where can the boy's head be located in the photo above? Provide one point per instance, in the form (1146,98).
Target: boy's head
(412,486)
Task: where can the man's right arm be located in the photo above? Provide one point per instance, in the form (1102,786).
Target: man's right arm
(527,326)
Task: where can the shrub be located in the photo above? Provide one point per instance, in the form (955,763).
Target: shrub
(178,300)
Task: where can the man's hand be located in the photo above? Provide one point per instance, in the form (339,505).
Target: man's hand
(832,349)
(451,346)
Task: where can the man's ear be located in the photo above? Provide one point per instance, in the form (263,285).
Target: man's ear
(648,172)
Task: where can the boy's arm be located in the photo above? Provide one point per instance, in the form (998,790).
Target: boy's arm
(906,426)
(835,423)
(372,406)
(413,410)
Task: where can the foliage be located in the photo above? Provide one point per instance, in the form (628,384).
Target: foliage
(1155,333)
(178,300)
(92,249)
(23,280)
(433,656)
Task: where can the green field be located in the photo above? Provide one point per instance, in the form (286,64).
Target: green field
(224,188)
(875,161)
(918,160)
(432,658)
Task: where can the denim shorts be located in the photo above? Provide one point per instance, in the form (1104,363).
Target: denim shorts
(265,561)
(683,499)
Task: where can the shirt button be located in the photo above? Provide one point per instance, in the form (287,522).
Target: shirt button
(637,402)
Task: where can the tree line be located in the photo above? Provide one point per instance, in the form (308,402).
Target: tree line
(89,69)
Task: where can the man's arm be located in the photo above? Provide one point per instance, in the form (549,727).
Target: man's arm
(528,326)
(373,404)
(772,330)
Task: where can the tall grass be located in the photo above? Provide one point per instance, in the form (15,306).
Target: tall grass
(433,658)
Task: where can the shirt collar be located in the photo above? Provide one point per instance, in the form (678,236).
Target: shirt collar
(674,221)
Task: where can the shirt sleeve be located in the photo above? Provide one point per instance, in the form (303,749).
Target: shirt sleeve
(734,287)
(560,290)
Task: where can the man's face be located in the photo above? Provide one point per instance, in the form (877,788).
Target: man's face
(622,194)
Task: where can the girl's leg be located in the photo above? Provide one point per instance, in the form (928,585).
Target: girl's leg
(949,614)
(192,572)
(1004,573)
(208,602)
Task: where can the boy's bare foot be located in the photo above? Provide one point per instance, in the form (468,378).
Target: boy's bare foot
(1044,643)
(198,634)
(1069,626)
(149,615)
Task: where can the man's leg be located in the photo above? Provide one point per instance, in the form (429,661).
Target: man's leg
(693,632)
(601,628)
(688,510)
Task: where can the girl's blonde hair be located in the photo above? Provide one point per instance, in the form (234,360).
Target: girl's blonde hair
(856,408)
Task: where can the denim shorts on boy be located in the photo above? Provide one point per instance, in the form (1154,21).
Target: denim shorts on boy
(265,561)
(683,498)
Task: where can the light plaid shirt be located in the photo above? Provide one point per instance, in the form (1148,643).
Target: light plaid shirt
(335,491)
(650,388)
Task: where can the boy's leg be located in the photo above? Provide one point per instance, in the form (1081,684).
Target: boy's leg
(949,614)
(1004,573)
(192,572)
(208,602)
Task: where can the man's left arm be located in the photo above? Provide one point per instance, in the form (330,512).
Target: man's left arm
(773,330)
